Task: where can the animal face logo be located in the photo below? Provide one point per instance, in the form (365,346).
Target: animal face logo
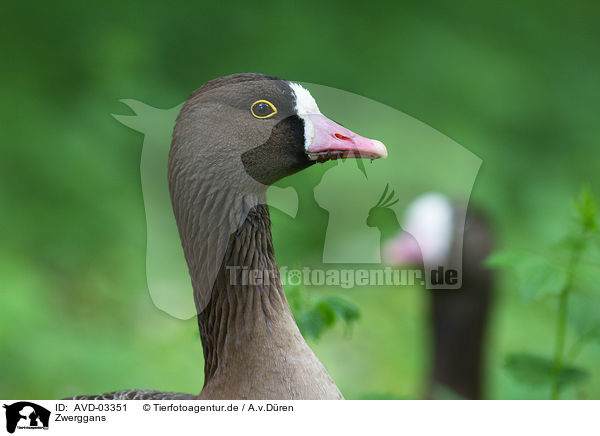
(26,415)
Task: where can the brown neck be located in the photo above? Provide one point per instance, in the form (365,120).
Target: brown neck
(247,298)
(460,317)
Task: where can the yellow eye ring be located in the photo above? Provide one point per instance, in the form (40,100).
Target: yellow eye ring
(257,109)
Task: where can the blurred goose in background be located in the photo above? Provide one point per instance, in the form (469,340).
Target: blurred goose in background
(430,235)
(234,137)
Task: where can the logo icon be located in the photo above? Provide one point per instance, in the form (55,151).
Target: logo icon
(333,203)
(26,415)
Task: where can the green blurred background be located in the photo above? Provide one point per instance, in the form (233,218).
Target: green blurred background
(515,83)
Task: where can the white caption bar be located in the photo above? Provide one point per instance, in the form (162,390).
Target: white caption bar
(302,417)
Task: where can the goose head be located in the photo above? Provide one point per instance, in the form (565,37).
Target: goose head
(428,233)
(235,136)
(253,126)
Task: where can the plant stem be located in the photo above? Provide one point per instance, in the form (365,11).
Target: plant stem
(560,341)
(563,306)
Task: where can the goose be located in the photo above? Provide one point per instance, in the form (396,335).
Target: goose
(233,137)
(458,318)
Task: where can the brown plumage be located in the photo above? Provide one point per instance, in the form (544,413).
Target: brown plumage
(224,154)
(137,394)
(459,318)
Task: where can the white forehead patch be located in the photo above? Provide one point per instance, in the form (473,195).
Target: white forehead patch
(429,219)
(305,105)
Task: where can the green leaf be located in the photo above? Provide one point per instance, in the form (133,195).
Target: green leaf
(344,309)
(537,371)
(315,315)
(587,276)
(584,315)
(586,209)
(441,392)
(313,321)
(535,276)
(506,259)
(571,241)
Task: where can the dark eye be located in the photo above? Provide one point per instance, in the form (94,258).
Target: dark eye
(263,109)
